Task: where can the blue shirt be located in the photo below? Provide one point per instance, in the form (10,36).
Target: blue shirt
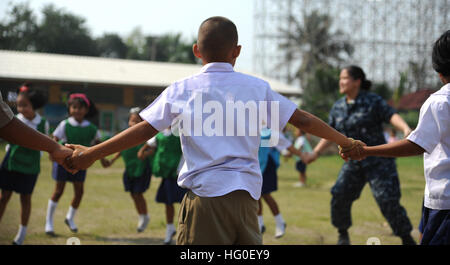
(362,120)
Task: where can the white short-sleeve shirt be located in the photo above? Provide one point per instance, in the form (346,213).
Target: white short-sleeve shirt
(220,136)
(433,135)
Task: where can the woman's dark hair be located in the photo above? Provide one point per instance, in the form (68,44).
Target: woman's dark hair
(441,54)
(36,98)
(356,73)
(83,100)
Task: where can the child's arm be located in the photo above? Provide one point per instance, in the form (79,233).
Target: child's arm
(104,161)
(34,140)
(107,163)
(313,125)
(83,156)
(305,157)
(396,149)
(398,122)
(145,151)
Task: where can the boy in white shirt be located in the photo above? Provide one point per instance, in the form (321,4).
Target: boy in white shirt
(220,147)
(431,138)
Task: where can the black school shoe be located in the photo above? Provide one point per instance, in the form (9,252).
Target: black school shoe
(343,239)
(66,221)
(408,240)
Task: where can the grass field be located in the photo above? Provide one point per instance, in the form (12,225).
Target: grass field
(107,214)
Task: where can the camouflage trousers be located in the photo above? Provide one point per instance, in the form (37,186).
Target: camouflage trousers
(383,180)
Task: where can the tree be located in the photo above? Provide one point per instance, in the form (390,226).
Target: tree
(64,33)
(136,45)
(383,90)
(314,44)
(19,31)
(112,46)
(170,48)
(321,91)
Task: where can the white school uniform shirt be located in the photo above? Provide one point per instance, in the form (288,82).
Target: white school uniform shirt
(60,131)
(217,165)
(433,135)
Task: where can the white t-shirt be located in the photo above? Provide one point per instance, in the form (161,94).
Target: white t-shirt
(433,135)
(60,131)
(220,135)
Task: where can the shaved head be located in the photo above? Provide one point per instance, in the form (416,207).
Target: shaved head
(217,36)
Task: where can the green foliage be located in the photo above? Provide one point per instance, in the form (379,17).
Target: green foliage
(112,46)
(65,33)
(314,44)
(19,30)
(411,117)
(321,91)
(383,90)
(402,87)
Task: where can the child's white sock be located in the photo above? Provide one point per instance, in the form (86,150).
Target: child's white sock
(170,232)
(49,219)
(69,219)
(20,237)
(280,226)
(279,219)
(144,219)
(71,213)
(260,222)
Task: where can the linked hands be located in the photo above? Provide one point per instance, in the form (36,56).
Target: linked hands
(354,151)
(59,155)
(79,160)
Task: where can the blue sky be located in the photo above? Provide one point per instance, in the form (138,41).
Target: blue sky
(157,17)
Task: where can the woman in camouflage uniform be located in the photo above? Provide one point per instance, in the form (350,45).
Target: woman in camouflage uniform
(360,114)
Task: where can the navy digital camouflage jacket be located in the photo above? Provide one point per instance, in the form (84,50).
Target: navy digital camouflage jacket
(363,120)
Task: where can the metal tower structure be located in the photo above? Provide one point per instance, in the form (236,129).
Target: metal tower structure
(387,34)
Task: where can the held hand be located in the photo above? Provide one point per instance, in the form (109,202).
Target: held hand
(354,151)
(79,159)
(60,154)
(105,162)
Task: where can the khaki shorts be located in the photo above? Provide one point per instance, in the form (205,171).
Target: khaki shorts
(225,220)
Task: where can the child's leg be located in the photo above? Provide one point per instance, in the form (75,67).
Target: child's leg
(280,223)
(262,228)
(271,203)
(4,199)
(170,212)
(170,229)
(141,207)
(25,202)
(59,190)
(52,203)
(78,189)
(139,203)
(303,177)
